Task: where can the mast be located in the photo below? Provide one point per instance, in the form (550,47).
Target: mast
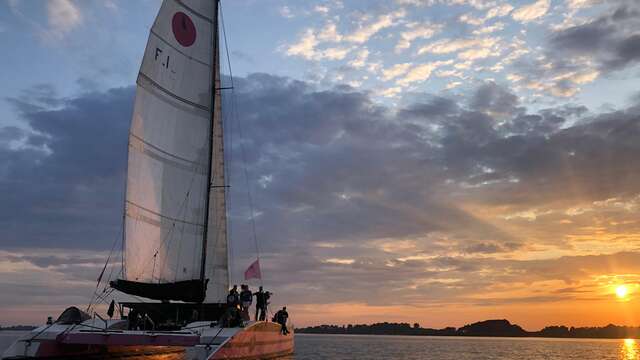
(214,124)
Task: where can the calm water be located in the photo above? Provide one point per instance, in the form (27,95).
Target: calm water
(337,347)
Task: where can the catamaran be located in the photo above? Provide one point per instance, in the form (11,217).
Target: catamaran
(175,248)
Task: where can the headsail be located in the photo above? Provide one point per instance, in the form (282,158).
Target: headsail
(170,162)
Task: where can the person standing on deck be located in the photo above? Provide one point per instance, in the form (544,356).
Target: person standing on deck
(246,298)
(267,296)
(261,304)
(281,318)
(233,299)
(133,319)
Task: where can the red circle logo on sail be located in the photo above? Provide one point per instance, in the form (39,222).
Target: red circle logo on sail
(183,29)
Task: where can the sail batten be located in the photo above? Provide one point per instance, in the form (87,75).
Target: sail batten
(147,83)
(170,168)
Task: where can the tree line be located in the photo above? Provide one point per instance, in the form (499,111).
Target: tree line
(497,328)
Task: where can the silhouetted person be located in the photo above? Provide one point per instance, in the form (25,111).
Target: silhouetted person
(133,318)
(267,296)
(231,317)
(246,298)
(233,299)
(281,318)
(261,304)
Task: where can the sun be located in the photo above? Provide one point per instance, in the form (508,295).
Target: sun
(622,291)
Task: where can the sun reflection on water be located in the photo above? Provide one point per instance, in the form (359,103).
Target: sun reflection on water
(629,350)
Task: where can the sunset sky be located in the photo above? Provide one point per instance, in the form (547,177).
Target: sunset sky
(431,161)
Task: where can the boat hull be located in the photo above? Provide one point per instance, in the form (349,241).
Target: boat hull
(257,340)
(52,350)
(261,340)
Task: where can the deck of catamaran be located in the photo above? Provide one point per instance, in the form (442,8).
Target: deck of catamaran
(96,338)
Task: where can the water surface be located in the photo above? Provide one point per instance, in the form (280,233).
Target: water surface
(348,347)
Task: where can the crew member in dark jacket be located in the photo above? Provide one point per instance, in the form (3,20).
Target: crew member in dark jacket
(246,298)
(261,304)
(281,318)
(233,299)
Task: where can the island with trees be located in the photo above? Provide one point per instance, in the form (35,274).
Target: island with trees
(17,328)
(489,328)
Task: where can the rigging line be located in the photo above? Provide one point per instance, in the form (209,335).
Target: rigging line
(124,213)
(175,273)
(100,277)
(110,274)
(230,249)
(168,246)
(228,197)
(243,150)
(106,285)
(104,297)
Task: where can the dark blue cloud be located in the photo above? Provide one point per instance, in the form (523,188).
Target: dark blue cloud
(62,179)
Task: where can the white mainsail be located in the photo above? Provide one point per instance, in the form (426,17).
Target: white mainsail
(175,150)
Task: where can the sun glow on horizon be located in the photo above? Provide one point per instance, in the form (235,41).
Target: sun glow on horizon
(622,291)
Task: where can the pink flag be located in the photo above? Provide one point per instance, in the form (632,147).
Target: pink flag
(253,271)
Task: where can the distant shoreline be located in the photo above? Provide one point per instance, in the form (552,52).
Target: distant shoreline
(487,328)
(298,333)
(18,328)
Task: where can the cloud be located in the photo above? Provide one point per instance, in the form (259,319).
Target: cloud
(494,99)
(285,12)
(336,178)
(416,31)
(446,46)
(63,17)
(366,31)
(477,4)
(421,72)
(323,9)
(471,20)
(499,11)
(330,33)
(610,41)
(306,48)
(111,5)
(395,71)
(68,169)
(337,53)
(475,54)
(453,85)
(307,44)
(489,29)
(580,4)
(491,248)
(361,59)
(532,11)
(390,92)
